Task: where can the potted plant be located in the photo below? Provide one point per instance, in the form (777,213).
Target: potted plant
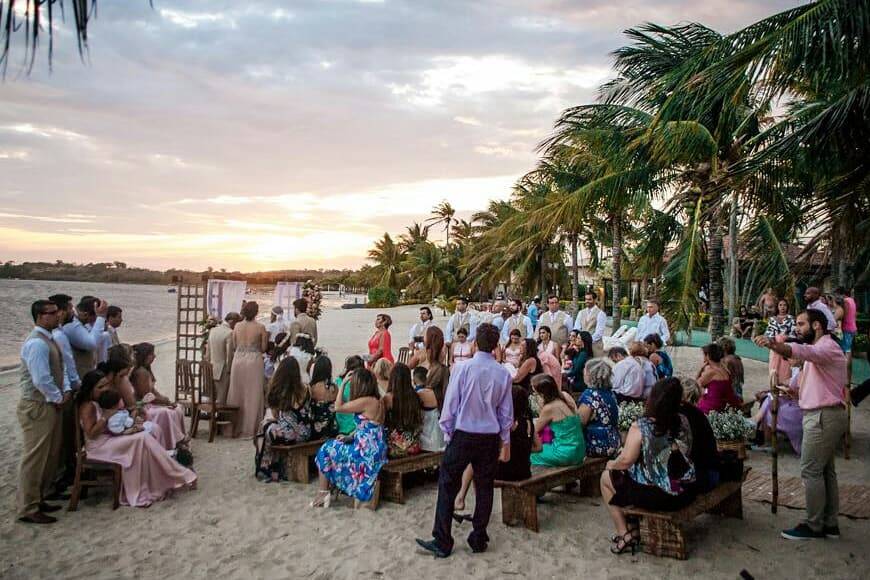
(731,430)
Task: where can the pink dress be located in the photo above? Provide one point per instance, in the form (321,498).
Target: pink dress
(461,351)
(170,423)
(720,394)
(551,366)
(375,341)
(149,474)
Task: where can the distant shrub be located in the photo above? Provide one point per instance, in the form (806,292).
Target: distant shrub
(383,297)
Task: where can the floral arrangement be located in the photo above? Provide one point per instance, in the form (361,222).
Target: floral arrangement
(730,425)
(311,292)
(629,413)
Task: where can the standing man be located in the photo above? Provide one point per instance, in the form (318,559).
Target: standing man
(813,299)
(67,457)
(499,313)
(114,319)
(277,324)
(653,323)
(534,310)
(517,320)
(303,323)
(558,321)
(461,319)
(476,420)
(85,332)
(593,320)
(219,352)
(821,397)
(44,390)
(418,330)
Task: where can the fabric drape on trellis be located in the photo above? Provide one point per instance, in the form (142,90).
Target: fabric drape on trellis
(224,296)
(285,294)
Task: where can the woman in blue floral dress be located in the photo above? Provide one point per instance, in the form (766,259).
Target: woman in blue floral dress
(352,463)
(599,412)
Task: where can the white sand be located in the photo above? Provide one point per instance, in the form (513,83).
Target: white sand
(235,527)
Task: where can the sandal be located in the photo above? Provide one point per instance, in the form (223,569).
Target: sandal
(628,541)
(323,499)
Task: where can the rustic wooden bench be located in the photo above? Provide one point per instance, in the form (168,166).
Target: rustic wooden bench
(519,499)
(663,534)
(393,473)
(298,458)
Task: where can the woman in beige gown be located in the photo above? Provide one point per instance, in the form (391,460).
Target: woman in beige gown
(246,375)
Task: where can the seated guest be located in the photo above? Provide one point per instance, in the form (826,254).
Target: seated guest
(704,454)
(149,474)
(582,349)
(524,441)
(382,369)
(732,363)
(323,392)
(789,419)
(716,382)
(352,464)
(548,354)
(559,412)
(658,357)
(303,351)
(168,416)
(404,414)
(546,342)
(627,379)
(461,349)
(287,420)
(512,353)
(599,412)
(431,437)
(346,423)
(653,470)
(530,364)
(638,352)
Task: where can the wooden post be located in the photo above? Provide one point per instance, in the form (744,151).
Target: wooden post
(774,455)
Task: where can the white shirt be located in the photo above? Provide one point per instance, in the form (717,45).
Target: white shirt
(600,322)
(549,319)
(519,321)
(36,355)
(105,343)
(455,323)
(655,324)
(69,361)
(419,329)
(628,378)
(823,308)
(85,337)
(275,328)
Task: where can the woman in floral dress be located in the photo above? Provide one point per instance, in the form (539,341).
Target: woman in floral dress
(599,412)
(323,392)
(352,464)
(404,414)
(287,420)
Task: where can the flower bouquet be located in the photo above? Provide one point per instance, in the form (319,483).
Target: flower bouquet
(311,292)
(628,414)
(731,430)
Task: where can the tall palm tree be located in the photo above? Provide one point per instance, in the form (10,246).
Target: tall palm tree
(414,235)
(429,273)
(388,258)
(443,214)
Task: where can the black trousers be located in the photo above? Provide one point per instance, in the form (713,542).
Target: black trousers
(481,452)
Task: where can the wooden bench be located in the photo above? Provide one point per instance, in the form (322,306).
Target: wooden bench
(297,458)
(519,499)
(393,473)
(662,533)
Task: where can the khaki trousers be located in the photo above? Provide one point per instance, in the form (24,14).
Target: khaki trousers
(222,387)
(40,437)
(823,430)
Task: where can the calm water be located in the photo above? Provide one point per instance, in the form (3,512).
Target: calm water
(149,311)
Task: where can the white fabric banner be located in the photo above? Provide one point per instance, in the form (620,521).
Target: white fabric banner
(285,294)
(224,296)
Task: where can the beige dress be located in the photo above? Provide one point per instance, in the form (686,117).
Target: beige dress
(247,380)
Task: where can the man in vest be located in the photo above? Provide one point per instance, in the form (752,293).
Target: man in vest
(517,320)
(461,319)
(219,352)
(558,321)
(44,390)
(85,332)
(418,330)
(593,320)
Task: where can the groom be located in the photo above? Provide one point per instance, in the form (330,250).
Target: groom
(476,420)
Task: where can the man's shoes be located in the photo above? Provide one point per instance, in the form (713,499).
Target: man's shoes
(802,532)
(47,508)
(832,532)
(433,547)
(477,549)
(37,518)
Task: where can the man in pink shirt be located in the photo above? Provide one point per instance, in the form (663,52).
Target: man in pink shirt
(821,397)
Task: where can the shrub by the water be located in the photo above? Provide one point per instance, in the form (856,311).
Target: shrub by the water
(383,297)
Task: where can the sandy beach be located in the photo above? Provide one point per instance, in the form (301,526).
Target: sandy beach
(234,527)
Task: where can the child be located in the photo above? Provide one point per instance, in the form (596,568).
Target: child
(121,423)
(418,375)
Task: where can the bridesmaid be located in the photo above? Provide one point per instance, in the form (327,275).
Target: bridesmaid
(381,342)
(247,381)
(149,473)
(158,408)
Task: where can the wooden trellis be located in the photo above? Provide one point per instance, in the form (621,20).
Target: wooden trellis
(189,339)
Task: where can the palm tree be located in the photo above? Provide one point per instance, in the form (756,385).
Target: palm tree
(388,258)
(443,213)
(428,271)
(414,235)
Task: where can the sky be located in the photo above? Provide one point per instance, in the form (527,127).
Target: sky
(275,134)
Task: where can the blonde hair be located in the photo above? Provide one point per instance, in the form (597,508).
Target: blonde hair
(599,373)
(691,390)
(637,348)
(381,369)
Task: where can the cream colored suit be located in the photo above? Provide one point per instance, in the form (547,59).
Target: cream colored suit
(220,353)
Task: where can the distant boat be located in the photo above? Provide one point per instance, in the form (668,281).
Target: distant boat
(172,290)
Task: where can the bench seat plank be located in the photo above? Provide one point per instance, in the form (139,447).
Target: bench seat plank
(392,474)
(297,458)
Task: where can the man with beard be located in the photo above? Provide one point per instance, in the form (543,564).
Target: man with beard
(85,332)
(461,319)
(821,397)
(517,320)
(813,299)
(418,330)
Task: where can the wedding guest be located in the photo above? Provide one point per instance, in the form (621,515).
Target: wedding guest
(593,320)
(246,375)
(418,330)
(158,408)
(461,350)
(67,465)
(114,319)
(404,414)
(733,364)
(302,322)
(431,437)
(658,357)
(85,332)
(781,323)
(219,351)
(822,399)
(149,474)
(516,320)
(277,324)
(512,353)
(533,310)
(546,342)
(583,354)
(44,390)
(382,370)
(303,351)
(549,362)
(653,323)
(323,393)
(715,381)
(352,464)
(627,376)
(849,324)
(524,442)
(287,420)
(599,411)
(345,421)
(638,351)
(704,454)
(559,412)
(789,417)
(461,320)
(558,321)
(476,420)
(815,301)
(530,365)
(653,470)
(381,343)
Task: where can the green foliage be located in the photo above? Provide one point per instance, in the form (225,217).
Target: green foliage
(629,413)
(381,296)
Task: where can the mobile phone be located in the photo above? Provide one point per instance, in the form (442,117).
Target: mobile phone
(418,339)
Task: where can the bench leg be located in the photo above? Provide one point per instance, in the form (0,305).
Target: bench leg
(508,506)
(662,537)
(731,506)
(590,483)
(297,467)
(391,487)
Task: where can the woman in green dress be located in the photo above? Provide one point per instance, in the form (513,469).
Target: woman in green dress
(559,412)
(345,421)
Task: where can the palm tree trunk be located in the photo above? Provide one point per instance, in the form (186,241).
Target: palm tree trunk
(616,250)
(543,287)
(715,266)
(575,276)
(733,281)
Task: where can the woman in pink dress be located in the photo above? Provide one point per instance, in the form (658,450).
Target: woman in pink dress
(247,380)
(716,382)
(158,408)
(149,473)
(381,343)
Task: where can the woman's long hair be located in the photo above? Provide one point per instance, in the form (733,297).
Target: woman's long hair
(141,352)
(544,385)
(352,363)
(433,342)
(586,339)
(89,382)
(406,413)
(663,406)
(363,384)
(531,352)
(286,389)
(321,370)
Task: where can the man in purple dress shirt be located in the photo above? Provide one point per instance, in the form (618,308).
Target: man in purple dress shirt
(476,420)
